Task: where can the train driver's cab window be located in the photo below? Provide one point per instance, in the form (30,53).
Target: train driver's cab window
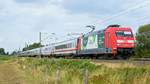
(124,34)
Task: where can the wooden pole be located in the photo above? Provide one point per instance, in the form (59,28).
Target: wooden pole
(40,42)
(86,76)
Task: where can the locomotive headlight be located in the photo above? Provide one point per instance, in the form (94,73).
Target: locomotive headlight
(118,44)
(120,41)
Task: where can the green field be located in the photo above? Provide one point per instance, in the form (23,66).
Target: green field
(66,71)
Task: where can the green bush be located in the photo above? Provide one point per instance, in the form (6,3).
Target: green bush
(5,58)
(143,42)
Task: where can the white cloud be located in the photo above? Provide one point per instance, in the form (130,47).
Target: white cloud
(21,23)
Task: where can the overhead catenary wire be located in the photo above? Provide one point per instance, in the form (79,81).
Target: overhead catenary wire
(143,18)
(140,5)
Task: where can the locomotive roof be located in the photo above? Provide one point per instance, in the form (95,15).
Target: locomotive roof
(95,32)
(103,30)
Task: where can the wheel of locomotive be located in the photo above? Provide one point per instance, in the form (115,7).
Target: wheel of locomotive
(122,56)
(110,57)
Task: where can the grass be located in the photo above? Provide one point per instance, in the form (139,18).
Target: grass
(9,72)
(4,58)
(72,72)
(66,71)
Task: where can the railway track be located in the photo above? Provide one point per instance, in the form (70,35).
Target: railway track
(135,61)
(132,61)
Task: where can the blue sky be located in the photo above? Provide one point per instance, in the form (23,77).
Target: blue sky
(22,20)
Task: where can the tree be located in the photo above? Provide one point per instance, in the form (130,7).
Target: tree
(32,46)
(143,41)
(2,51)
(7,53)
(144,28)
(14,53)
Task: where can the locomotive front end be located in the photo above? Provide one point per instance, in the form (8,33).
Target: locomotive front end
(125,41)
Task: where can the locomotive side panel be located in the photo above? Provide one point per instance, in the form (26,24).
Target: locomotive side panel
(94,43)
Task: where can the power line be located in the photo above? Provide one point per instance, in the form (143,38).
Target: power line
(143,18)
(141,5)
(48,37)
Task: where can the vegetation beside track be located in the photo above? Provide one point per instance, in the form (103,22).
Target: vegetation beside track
(143,42)
(4,58)
(9,71)
(73,72)
(67,71)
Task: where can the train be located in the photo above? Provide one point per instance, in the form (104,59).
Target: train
(112,42)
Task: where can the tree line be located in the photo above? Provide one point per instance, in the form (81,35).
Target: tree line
(32,46)
(2,52)
(28,47)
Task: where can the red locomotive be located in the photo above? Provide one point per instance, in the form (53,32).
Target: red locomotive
(114,41)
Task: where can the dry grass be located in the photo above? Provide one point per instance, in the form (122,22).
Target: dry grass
(44,71)
(10,74)
(72,72)
(116,65)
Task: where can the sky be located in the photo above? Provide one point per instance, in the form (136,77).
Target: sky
(22,20)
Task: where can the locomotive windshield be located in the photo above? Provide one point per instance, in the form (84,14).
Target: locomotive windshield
(124,34)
